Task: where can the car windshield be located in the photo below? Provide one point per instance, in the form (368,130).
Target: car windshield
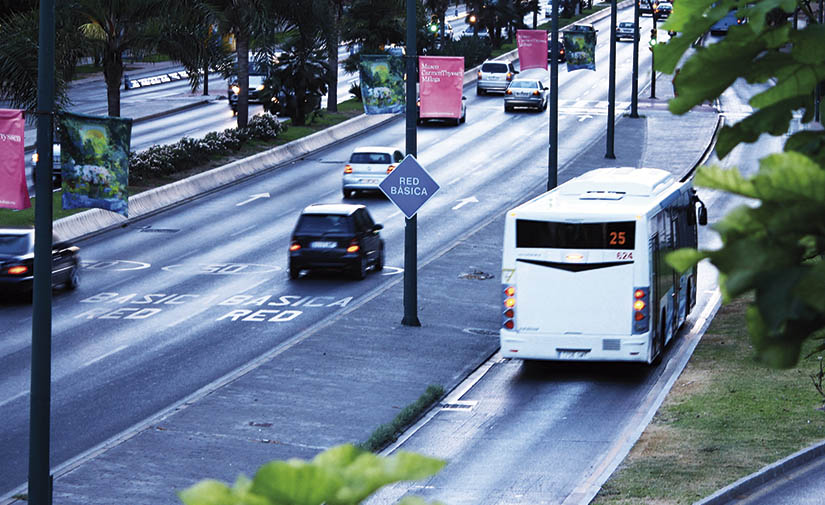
(14,244)
(370,158)
(494,67)
(524,84)
(319,224)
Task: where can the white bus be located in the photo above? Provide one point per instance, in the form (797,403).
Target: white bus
(583,270)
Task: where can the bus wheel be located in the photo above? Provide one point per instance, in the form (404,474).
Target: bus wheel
(659,343)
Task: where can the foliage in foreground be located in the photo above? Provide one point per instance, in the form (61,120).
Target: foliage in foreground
(163,160)
(776,249)
(342,475)
(724,418)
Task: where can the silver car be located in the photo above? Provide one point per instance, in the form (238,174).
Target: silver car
(625,30)
(529,93)
(367,167)
(494,76)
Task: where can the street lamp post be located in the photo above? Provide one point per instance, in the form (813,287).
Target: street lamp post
(553,150)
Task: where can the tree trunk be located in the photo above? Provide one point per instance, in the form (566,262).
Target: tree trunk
(332,53)
(205,78)
(113,74)
(242,49)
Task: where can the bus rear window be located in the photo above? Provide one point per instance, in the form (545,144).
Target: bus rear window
(551,235)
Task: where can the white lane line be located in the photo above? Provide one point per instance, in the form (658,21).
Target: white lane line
(102,356)
(18,395)
(244,230)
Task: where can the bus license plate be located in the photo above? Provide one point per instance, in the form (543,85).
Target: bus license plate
(571,354)
(323,245)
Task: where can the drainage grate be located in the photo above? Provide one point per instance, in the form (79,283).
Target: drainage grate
(481,331)
(476,275)
(462,405)
(149,229)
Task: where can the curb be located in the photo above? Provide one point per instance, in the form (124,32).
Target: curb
(767,474)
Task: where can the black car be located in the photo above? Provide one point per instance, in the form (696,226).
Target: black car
(256,84)
(562,55)
(17,262)
(336,236)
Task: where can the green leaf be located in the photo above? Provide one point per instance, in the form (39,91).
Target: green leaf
(208,492)
(756,12)
(810,143)
(369,472)
(789,177)
(807,45)
(417,500)
(811,287)
(295,482)
(684,259)
(775,352)
(774,120)
(797,80)
(731,180)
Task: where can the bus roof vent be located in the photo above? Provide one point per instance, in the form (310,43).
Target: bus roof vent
(616,183)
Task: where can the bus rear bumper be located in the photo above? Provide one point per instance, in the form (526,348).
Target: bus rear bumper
(575,347)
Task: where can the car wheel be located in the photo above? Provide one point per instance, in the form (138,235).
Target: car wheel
(73,281)
(544,107)
(379,263)
(360,270)
(464,117)
(457,121)
(479,91)
(507,108)
(347,193)
(294,272)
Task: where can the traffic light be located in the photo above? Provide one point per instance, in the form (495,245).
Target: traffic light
(434,26)
(652,38)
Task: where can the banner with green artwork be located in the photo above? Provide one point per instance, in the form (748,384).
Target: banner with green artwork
(383,88)
(580,47)
(94,158)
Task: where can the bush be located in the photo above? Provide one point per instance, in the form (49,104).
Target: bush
(164,160)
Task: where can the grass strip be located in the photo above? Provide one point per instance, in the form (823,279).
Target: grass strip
(726,417)
(388,433)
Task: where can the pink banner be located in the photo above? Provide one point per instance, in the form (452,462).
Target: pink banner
(14,194)
(441,83)
(532,49)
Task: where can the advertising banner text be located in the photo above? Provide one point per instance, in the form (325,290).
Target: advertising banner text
(441,83)
(14,193)
(532,49)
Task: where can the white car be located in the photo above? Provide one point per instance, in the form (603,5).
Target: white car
(625,30)
(468,32)
(367,168)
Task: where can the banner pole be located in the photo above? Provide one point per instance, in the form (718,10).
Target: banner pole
(411,224)
(611,89)
(553,154)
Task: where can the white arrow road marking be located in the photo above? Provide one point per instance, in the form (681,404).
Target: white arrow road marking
(585,116)
(253,198)
(465,201)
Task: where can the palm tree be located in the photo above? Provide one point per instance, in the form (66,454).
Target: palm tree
(18,69)
(115,27)
(370,26)
(242,20)
(192,38)
(301,71)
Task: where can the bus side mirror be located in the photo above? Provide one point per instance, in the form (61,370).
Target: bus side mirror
(703,215)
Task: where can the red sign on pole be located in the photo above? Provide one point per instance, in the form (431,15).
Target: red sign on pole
(441,81)
(14,193)
(532,49)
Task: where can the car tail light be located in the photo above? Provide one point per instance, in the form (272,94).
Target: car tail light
(509,314)
(390,168)
(509,76)
(294,246)
(353,246)
(348,169)
(508,92)
(536,93)
(18,270)
(479,74)
(641,310)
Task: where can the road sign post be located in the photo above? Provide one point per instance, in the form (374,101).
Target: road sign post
(408,187)
(411,223)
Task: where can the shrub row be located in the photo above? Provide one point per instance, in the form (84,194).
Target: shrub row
(164,160)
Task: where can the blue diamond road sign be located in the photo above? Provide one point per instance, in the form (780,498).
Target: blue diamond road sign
(409,186)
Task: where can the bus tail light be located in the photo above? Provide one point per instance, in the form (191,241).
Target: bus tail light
(641,310)
(509,315)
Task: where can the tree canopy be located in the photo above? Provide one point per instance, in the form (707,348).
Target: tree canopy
(776,249)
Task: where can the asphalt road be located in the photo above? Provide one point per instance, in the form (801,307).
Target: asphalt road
(168,305)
